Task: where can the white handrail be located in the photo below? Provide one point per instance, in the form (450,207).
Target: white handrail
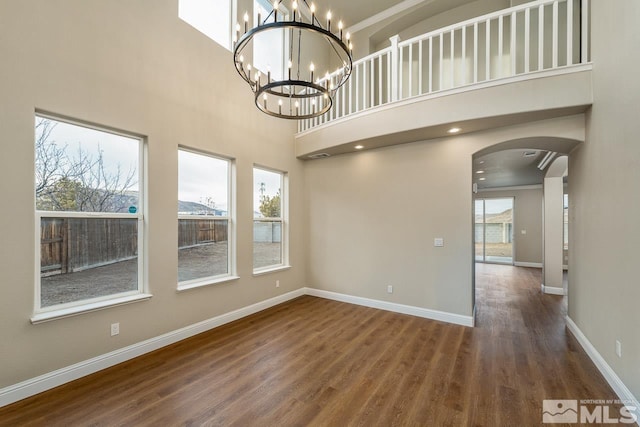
(497,45)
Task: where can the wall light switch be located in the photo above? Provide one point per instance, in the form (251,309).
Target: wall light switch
(438,242)
(523,231)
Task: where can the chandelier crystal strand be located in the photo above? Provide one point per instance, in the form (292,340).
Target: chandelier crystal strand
(307,93)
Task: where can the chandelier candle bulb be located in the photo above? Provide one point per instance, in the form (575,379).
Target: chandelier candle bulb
(308,95)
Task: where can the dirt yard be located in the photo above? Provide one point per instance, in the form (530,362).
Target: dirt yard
(495,249)
(200,261)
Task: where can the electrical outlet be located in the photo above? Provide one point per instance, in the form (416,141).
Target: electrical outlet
(390,289)
(618,348)
(277,283)
(438,242)
(115,329)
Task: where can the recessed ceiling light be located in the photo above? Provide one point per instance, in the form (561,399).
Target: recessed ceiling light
(479,171)
(454,130)
(359,147)
(482,179)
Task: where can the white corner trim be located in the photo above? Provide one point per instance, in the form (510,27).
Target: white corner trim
(426,313)
(550,290)
(56,378)
(528,264)
(607,372)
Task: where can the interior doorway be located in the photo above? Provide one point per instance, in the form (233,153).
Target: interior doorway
(493,235)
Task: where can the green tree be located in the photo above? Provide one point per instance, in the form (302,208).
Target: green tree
(61,195)
(269,206)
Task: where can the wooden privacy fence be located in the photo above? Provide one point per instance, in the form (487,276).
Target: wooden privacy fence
(75,244)
(193,232)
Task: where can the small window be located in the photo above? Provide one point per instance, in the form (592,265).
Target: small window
(89,212)
(210,17)
(269,226)
(204,218)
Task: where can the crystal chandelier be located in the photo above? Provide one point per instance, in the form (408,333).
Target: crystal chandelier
(301,49)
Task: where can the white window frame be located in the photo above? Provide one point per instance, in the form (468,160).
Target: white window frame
(283,219)
(231,273)
(43,314)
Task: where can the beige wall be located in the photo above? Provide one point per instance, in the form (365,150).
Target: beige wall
(528,217)
(133,66)
(604,173)
(373,216)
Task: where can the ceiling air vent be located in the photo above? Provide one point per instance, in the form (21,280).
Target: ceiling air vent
(318,156)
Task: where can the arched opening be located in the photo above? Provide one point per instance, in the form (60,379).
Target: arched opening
(510,205)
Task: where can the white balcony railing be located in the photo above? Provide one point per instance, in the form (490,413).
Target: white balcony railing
(537,36)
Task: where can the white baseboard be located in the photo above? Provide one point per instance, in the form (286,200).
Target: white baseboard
(607,372)
(56,378)
(528,264)
(551,290)
(442,316)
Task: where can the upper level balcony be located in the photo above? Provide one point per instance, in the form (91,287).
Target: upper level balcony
(528,62)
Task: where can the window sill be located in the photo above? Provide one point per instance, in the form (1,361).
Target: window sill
(200,283)
(268,270)
(86,308)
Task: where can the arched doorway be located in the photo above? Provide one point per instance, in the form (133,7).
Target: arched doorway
(518,170)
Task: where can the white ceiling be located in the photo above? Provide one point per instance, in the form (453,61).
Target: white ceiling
(508,168)
(354,11)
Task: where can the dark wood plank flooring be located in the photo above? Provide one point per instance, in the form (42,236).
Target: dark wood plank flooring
(313,361)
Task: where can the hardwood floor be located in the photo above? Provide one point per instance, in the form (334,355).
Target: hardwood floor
(313,361)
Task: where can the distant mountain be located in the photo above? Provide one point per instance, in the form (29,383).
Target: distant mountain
(194,208)
(121,204)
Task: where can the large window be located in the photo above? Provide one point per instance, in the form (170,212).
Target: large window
(269,226)
(204,219)
(210,17)
(89,213)
(269,53)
